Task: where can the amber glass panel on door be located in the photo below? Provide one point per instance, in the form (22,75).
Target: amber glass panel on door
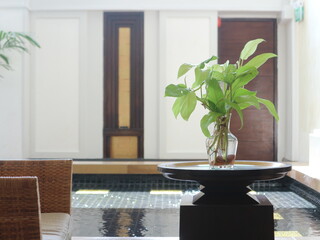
(124,78)
(124,147)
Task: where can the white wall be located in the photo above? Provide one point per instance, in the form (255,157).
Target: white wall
(308,62)
(185,37)
(282,89)
(55,86)
(302,95)
(156,5)
(66,87)
(292,95)
(151,76)
(11,88)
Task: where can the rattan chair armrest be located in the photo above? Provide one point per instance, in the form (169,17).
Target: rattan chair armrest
(19,208)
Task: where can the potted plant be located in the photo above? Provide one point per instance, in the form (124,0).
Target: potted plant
(220,88)
(13,41)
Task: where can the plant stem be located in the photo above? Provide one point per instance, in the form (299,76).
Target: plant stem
(204,104)
(226,143)
(219,145)
(200,87)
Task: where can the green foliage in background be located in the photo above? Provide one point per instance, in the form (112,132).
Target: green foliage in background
(220,88)
(13,41)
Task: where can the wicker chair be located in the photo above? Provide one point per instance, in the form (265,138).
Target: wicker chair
(25,185)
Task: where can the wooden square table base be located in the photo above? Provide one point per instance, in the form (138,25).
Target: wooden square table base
(231,221)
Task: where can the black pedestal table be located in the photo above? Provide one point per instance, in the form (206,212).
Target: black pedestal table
(224,209)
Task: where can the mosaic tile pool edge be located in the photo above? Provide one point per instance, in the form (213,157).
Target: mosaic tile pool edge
(150,181)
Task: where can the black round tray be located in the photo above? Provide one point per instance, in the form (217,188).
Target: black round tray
(243,171)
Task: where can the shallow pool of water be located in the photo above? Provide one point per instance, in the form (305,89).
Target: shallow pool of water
(150,208)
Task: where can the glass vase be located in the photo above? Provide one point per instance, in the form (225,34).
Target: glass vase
(222,145)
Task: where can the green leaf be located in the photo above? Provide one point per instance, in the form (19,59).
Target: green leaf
(245,70)
(5,66)
(212,58)
(215,95)
(213,107)
(184,68)
(259,60)
(4,58)
(176,90)
(188,104)
(245,78)
(200,76)
(226,64)
(244,105)
(225,73)
(13,41)
(243,91)
(201,65)
(238,110)
(250,48)
(217,75)
(230,73)
(214,91)
(217,68)
(2,35)
(207,120)
(252,100)
(29,39)
(269,105)
(176,107)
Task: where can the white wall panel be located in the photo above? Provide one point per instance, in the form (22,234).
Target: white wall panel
(14,4)
(151,80)
(188,37)
(11,88)
(66,88)
(56,86)
(91,142)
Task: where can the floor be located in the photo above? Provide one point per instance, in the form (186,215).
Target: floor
(148,208)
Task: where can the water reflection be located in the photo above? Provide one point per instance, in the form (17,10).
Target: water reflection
(304,220)
(146,214)
(122,223)
(125,222)
(165,222)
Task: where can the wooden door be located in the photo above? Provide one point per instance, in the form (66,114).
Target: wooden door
(257,139)
(123,85)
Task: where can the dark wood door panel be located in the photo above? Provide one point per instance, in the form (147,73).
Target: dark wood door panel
(250,152)
(256,126)
(246,29)
(257,139)
(264,87)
